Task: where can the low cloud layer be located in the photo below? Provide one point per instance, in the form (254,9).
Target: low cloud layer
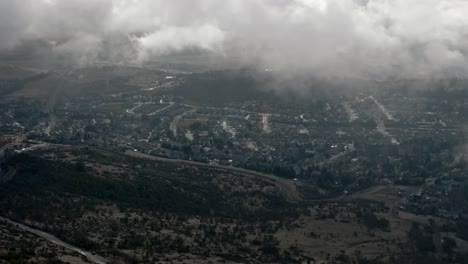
(330,38)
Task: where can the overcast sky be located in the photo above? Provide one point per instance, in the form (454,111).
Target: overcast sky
(324,37)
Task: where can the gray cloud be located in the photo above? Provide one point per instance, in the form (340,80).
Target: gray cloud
(329,38)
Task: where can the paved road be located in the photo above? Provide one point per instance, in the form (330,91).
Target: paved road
(288,187)
(159,87)
(8,176)
(132,110)
(93,258)
(5,147)
(162,109)
(176,120)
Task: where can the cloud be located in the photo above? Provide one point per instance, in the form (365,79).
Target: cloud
(333,38)
(177,39)
(12,25)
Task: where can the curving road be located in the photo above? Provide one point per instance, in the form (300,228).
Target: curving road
(288,187)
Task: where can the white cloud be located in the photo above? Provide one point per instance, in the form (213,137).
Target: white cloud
(332,37)
(320,5)
(177,39)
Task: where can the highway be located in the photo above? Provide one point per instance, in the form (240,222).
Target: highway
(288,187)
(8,176)
(91,257)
